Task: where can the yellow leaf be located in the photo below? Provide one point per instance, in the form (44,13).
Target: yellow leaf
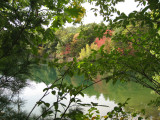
(86,119)
(93,118)
(106,116)
(122,118)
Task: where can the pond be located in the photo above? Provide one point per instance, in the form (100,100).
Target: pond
(102,93)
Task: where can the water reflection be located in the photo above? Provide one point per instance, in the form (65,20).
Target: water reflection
(34,92)
(103,93)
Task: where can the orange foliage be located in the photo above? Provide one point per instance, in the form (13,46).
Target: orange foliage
(67,50)
(75,37)
(105,40)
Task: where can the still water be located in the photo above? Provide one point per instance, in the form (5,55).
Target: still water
(33,93)
(102,93)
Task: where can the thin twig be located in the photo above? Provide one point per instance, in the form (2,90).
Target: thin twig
(46,93)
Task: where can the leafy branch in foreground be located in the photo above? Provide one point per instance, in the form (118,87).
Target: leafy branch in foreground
(64,91)
(22,31)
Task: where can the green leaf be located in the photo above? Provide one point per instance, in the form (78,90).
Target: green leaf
(143,111)
(44,114)
(144,2)
(56,105)
(53,92)
(73,100)
(97,111)
(131,15)
(118,12)
(110,116)
(75,59)
(50,112)
(58,111)
(133,23)
(145,9)
(46,104)
(60,93)
(39,102)
(140,118)
(101,49)
(45,89)
(81,94)
(78,100)
(94,104)
(134,114)
(104,19)
(116,108)
(63,104)
(127,99)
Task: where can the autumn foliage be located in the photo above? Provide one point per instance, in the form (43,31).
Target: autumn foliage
(105,38)
(67,50)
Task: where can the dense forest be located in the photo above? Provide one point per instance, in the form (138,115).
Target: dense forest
(32,34)
(77,42)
